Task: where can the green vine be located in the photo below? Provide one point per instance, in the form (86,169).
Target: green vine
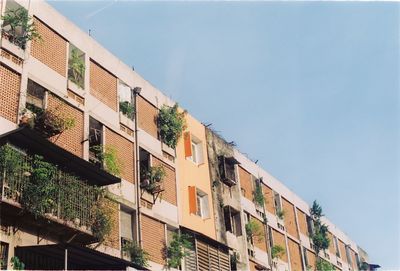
(76,68)
(138,255)
(258,195)
(254,230)
(171,124)
(127,109)
(176,249)
(18,27)
(109,157)
(277,252)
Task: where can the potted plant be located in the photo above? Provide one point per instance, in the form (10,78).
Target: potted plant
(152,179)
(51,123)
(127,109)
(137,255)
(254,230)
(18,27)
(171,124)
(76,68)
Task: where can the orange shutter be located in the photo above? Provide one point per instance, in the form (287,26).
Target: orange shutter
(192,200)
(188,144)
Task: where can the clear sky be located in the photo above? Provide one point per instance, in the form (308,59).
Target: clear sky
(310,89)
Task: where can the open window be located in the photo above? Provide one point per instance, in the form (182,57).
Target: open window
(310,225)
(226,166)
(198,203)
(127,222)
(348,255)
(126,106)
(76,66)
(95,141)
(336,246)
(145,165)
(3,255)
(232,221)
(193,148)
(35,97)
(277,203)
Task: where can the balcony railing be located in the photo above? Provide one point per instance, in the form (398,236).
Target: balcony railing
(46,190)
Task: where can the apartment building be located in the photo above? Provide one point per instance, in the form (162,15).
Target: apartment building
(82,154)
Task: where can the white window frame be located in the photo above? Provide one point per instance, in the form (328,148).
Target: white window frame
(202,204)
(197,151)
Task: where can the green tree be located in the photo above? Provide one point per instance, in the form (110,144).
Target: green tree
(171,124)
(319,235)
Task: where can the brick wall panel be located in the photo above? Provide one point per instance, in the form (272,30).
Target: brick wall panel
(353,259)
(103,85)
(169,193)
(51,49)
(289,218)
(153,234)
(279,239)
(311,259)
(125,156)
(246,183)
(252,266)
(260,243)
(295,256)
(302,219)
(147,117)
(9,93)
(331,244)
(112,239)
(71,139)
(269,199)
(342,251)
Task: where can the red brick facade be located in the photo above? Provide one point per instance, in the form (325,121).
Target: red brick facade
(147,117)
(153,234)
(9,93)
(295,256)
(112,239)
(51,49)
(245,183)
(103,85)
(169,193)
(70,139)
(289,218)
(124,149)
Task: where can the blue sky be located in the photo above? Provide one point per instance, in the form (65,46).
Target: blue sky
(310,89)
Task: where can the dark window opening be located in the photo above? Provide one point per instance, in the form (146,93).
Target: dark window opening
(226,166)
(144,157)
(3,255)
(95,142)
(232,221)
(35,97)
(310,225)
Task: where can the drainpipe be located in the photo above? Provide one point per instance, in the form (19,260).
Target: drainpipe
(136,92)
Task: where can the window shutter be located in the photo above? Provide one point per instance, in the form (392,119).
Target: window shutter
(188,144)
(192,200)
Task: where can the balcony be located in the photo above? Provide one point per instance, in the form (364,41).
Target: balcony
(39,191)
(226,166)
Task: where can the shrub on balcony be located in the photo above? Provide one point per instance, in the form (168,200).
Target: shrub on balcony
(137,255)
(18,27)
(319,236)
(127,109)
(102,224)
(176,250)
(151,180)
(76,68)
(259,196)
(277,252)
(171,124)
(17,264)
(323,265)
(254,230)
(107,156)
(280,214)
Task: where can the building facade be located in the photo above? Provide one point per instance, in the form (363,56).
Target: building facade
(81,154)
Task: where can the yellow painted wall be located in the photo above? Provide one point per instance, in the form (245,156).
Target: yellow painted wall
(190,174)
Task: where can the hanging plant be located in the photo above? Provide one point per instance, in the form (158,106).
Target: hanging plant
(138,255)
(102,224)
(127,109)
(277,252)
(280,213)
(151,180)
(76,68)
(51,123)
(171,124)
(18,27)
(107,156)
(176,250)
(17,264)
(254,230)
(258,195)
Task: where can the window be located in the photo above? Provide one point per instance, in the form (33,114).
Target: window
(336,246)
(3,255)
(270,238)
(232,221)
(144,164)
(226,166)
(95,141)
(277,202)
(193,148)
(198,202)
(348,255)
(310,225)
(305,257)
(126,106)
(76,66)
(35,96)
